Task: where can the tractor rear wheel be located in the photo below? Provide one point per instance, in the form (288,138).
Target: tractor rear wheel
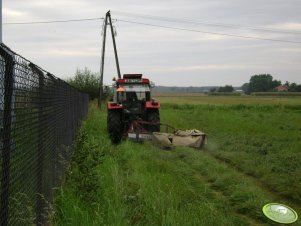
(114,125)
(153,116)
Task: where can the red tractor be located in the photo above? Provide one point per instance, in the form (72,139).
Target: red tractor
(132,112)
(132,103)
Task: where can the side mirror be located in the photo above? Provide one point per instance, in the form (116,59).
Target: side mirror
(152,84)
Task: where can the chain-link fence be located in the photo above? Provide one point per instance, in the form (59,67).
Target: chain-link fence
(40,115)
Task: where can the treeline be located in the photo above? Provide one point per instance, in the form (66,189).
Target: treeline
(222,89)
(293,87)
(182,89)
(266,83)
(88,82)
(261,83)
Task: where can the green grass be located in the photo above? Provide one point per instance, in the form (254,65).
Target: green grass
(252,157)
(134,184)
(276,94)
(261,141)
(201,99)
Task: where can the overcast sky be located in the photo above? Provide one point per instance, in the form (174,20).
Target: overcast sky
(168,57)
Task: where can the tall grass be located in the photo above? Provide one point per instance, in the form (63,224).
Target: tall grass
(134,184)
(252,158)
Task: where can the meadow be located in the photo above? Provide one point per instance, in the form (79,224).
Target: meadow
(252,157)
(201,99)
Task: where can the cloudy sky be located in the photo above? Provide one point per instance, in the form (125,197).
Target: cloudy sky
(168,57)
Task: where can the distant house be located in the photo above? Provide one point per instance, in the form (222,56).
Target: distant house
(281,88)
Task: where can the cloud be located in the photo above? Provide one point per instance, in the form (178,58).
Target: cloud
(71,53)
(218,67)
(163,54)
(289,50)
(294,26)
(12,13)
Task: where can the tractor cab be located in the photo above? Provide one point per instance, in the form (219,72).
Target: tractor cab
(133,97)
(132,92)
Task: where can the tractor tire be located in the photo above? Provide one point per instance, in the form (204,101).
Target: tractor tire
(114,125)
(153,116)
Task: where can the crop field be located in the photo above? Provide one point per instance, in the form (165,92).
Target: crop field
(253,157)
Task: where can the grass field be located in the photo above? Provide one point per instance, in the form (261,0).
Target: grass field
(252,157)
(197,99)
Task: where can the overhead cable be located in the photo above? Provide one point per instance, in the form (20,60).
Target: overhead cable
(207,32)
(53,21)
(206,23)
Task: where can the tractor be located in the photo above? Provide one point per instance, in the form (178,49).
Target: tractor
(132,111)
(132,108)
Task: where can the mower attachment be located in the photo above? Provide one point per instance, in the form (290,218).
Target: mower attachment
(168,140)
(189,138)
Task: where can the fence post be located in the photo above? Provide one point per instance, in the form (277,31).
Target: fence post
(6,135)
(40,150)
(39,205)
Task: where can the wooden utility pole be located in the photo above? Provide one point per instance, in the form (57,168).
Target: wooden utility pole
(106,21)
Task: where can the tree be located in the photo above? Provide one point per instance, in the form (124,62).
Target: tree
(86,81)
(293,87)
(262,83)
(212,90)
(226,89)
(246,88)
(275,83)
(287,84)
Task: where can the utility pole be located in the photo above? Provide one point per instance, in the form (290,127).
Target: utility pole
(102,61)
(106,21)
(114,44)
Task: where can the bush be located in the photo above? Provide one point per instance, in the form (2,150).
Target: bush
(86,81)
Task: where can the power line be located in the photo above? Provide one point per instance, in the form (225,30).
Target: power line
(152,25)
(206,32)
(53,21)
(198,22)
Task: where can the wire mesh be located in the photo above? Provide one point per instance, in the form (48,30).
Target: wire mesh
(40,115)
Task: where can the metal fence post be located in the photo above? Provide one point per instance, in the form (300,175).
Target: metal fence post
(6,136)
(40,163)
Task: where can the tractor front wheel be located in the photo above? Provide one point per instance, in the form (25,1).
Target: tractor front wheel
(114,125)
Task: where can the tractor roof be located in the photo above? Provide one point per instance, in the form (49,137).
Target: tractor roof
(139,76)
(133,79)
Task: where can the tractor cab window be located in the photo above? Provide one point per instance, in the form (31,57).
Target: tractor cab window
(134,93)
(131,96)
(121,97)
